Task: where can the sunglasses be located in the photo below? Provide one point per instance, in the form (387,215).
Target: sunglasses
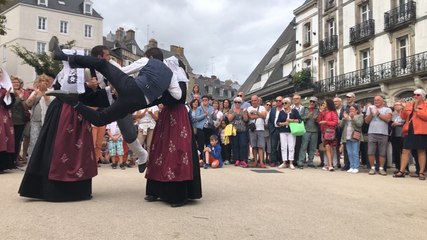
(285,103)
(238,102)
(267,104)
(240,95)
(417,95)
(312,101)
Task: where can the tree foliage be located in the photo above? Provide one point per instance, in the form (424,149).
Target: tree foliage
(41,62)
(2,20)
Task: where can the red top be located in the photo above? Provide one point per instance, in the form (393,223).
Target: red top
(331,118)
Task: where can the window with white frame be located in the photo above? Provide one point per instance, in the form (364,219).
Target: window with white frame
(364,59)
(307,64)
(221,92)
(42,2)
(307,34)
(133,49)
(88,7)
(331,68)
(331,28)
(364,12)
(41,47)
(88,31)
(402,50)
(42,23)
(63,27)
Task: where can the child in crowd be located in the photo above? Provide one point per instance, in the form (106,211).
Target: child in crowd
(213,153)
(225,143)
(105,155)
(115,146)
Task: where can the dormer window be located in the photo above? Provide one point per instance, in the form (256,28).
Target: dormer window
(87,7)
(133,49)
(42,2)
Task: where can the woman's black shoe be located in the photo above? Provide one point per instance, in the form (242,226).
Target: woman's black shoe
(180,204)
(150,198)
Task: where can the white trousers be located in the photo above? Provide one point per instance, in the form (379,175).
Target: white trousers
(287,145)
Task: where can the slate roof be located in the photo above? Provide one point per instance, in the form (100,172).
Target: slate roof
(287,37)
(71,6)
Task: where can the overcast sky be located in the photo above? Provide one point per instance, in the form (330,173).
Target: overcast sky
(226,38)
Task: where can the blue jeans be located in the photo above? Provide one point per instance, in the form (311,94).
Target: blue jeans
(353,153)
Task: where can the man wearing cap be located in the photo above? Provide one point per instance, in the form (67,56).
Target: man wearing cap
(309,139)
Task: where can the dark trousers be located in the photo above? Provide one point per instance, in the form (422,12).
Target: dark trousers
(417,163)
(127,129)
(397,144)
(275,142)
(364,153)
(225,152)
(203,135)
(19,131)
(130,96)
(240,146)
(298,142)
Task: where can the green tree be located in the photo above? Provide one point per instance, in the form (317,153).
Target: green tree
(41,62)
(2,20)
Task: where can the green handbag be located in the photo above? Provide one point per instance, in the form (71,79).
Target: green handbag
(297,129)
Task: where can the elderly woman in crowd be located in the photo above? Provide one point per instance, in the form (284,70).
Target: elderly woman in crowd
(36,101)
(239,118)
(287,140)
(20,116)
(396,138)
(328,121)
(7,99)
(415,132)
(351,126)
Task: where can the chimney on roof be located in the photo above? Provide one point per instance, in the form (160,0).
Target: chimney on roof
(130,35)
(120,33)
(177,50)
(152,43)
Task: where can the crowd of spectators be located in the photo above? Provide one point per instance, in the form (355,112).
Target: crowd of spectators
(344,134)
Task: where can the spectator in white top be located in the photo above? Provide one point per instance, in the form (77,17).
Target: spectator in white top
(146,122)
(257,114)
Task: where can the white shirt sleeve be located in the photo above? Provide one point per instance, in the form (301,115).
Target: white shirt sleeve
(174,89)
(135,66)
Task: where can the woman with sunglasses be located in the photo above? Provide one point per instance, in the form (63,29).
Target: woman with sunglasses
(239,118)
(287,140)
(415,132)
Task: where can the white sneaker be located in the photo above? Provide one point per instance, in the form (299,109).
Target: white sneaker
(292,166)
(350,170)
(283,165)
(325,168)
(355,170)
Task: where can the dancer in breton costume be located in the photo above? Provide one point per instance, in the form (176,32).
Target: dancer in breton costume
(62,164)
(7,136)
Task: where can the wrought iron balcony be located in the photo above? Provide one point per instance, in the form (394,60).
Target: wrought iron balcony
(400,16)
(329,4)
(328,45)
(362,32)
(403,67)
